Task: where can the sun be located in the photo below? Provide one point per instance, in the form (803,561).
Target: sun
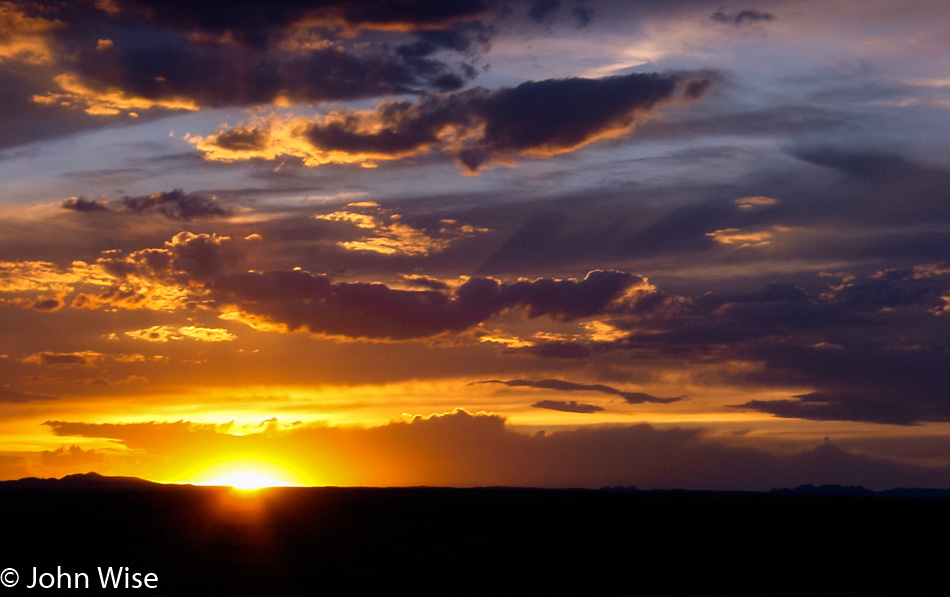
(247,475)
(247,481)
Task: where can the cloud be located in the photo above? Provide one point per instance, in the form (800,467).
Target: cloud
(568,407)
(746,237)
(391,235)
(752,203)
(461,449)
(177,205)
(64,359)
(542,11)
(174,205)
(300,300)
(583,15)
(742,17)
(40,303)
(23,37)
(186,257)
(165,278)
(133,58)
(252,23)
(164,333)
(83,205)
(424,282)
(70,458)
(107,100)
(477,126)
(9,396)
(568,386)
(556,350)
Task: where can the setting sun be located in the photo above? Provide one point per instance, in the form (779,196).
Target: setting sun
(247,481)
(247,475)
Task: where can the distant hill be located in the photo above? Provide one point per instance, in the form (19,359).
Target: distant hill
(858,491)
(80,481)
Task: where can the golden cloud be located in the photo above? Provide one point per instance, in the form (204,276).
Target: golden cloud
(746,237)
(751,203)
(106,102)
(164,333)
(24,38)
(391,236)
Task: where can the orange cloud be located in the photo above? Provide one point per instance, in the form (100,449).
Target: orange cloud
(108,101)
(750,203)
(163,279)
(164,333)
(64,359)
(24,38)
(395,236)
(746,237)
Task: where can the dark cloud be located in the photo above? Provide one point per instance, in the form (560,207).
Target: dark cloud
(413,13)
(543,10)
(583,14)
(47,304)
(900,385)
(62,359)
(425,282)
(871,349)
(556,349)
(83,205)
(70,458)
(743,16)
(9,396)
(313,302)
(176,75)
(568,386)
(176,205)
(567,407)
(537,118)
(857,163)
(871,186)
(258,24)
(139,57)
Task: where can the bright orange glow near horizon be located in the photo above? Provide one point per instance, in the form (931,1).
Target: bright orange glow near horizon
(247,474)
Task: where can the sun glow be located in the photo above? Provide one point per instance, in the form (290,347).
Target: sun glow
(247,481)
(247,475)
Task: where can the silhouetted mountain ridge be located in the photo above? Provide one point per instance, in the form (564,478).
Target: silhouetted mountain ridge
(94,480)
(90,480)
(859,491)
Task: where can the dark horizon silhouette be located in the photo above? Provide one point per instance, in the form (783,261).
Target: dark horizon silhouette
(513,540)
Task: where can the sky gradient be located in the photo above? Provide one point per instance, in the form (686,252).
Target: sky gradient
(556,243)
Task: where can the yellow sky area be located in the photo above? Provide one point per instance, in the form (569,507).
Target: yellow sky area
(451,448)
(197,435)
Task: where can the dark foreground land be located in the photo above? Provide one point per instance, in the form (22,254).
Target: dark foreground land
(464,541)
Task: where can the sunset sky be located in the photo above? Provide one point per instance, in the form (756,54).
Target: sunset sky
(698,244)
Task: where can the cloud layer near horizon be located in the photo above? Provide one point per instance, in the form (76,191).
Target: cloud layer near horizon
(461,449)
